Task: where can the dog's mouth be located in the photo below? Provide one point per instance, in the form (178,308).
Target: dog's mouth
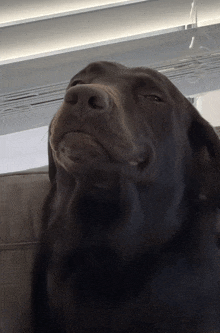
(78,150)
(81,147)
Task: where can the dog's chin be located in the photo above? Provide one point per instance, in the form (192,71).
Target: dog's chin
(81,149)
(80,155)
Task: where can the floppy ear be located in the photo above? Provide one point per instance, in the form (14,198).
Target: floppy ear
(52,165)
(205,145)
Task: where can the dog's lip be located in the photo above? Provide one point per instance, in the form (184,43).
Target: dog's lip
(138,161)
(94,139)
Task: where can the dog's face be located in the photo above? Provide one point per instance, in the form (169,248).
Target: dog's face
(114,118)
(130,130)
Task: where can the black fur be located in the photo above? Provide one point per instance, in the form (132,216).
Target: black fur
(129,240)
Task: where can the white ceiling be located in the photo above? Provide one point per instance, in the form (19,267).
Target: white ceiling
(20,11)
(38,28)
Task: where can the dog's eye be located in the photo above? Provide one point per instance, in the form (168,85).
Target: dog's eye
(153,98)
(150,97)
(75,82)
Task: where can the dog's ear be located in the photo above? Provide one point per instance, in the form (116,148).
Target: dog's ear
(52,165)
(205,145)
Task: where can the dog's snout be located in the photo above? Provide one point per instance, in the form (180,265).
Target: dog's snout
(88,98)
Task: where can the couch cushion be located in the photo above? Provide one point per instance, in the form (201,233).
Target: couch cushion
(21,199)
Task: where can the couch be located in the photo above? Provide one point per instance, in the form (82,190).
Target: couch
(21,199)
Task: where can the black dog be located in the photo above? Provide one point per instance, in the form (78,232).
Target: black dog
(129,240)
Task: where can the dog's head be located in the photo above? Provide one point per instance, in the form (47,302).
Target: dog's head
(136,123)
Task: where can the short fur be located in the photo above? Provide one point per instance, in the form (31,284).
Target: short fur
(129,240)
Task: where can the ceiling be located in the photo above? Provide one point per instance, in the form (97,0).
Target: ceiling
(31,29)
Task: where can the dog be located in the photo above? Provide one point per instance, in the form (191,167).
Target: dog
(129,240)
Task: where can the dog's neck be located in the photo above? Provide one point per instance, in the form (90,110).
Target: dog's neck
(132,215)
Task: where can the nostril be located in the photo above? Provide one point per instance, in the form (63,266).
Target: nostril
(96,103)
(87,98)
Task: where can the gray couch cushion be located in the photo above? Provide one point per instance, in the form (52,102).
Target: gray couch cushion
(21,199)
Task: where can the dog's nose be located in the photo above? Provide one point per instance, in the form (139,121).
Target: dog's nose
(88,98)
